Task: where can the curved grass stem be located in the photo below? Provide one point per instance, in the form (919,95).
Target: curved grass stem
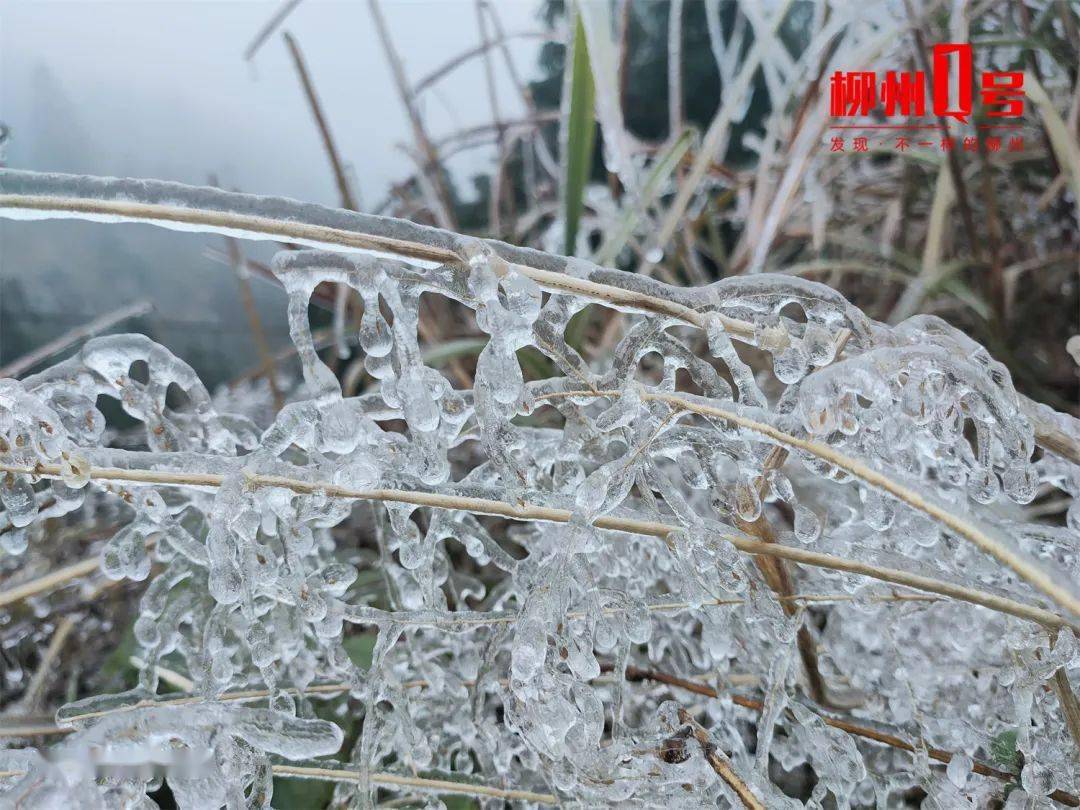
(527,512)
(30,195)
(983,537)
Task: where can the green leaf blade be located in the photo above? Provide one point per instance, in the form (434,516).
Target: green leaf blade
(580,137)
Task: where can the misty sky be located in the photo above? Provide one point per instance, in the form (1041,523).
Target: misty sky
(160,89)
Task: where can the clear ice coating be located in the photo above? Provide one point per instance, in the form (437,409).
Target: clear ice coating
(522,633)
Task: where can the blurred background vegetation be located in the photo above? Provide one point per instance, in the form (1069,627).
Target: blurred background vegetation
(453,114)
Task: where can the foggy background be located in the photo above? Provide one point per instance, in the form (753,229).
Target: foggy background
(162,90)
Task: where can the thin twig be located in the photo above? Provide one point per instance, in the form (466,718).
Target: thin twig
(345,192)
(271,25)
(851,727)
(100,324)
(348,199)
(496,116)
(432,167)
(266,358)
(528,512)
(450,65)
(720,763)
(410,241)
(393,781)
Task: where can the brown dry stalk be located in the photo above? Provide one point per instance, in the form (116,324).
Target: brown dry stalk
(847,726)
(1070,707)
(395,781)
(779,580)
(49,582)
(439,786)
(266,358)
(432,166)
(336,165)
(16,367)
(527,512)
(958,524)
(720,763)
(425,246)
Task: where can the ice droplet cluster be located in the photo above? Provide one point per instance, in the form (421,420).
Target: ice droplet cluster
(520,604)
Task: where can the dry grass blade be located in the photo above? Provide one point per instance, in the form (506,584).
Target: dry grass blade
(409,241)
(549,514)
(849,726)
(267,30)
(50,582)
(975,532)
(393,781)
(417,783)
(720,763)
(916,290)
(432,166)
(348,199)
(100,324)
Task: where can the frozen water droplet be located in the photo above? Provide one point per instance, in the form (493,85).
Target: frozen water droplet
(807,526)
(18,498)
(958,769)
(983,485)
(747,502)
(75,471)
(1021,482)
(791,365)
(878,510)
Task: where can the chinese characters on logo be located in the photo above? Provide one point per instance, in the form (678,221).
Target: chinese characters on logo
(857,94)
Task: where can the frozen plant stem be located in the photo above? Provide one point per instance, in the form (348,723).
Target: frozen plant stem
(266,358)
(720,763)
(542,513)
(252,594)
(393,781)
(981,536)
(110,319)
(843,724)
(51,198)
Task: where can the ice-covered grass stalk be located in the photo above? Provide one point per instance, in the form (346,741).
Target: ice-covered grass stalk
(907,459)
